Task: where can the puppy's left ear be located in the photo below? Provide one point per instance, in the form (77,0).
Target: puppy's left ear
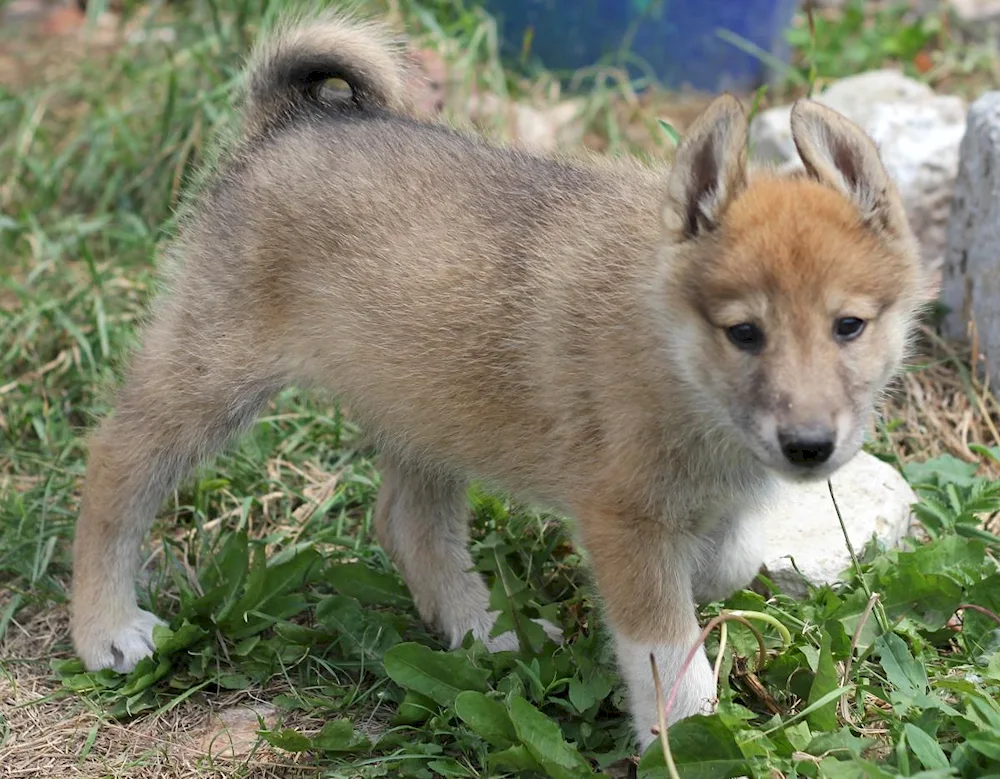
(838,153)
(709,170)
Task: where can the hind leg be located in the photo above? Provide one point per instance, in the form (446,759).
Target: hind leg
(421,521)
(187,393)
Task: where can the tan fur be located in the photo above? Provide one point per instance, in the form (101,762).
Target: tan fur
(554,328)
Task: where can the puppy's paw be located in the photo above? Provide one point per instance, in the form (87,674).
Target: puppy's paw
(695,694)
(118,644)
(505,642)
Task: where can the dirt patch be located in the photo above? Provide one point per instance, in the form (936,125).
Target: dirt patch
(53,734)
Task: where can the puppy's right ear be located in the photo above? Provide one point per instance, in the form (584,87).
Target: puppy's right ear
(709,170)
(838,153)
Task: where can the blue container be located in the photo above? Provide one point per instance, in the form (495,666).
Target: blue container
(677,40)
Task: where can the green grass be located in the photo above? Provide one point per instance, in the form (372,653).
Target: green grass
(859,38)
(266,565)
(932,45)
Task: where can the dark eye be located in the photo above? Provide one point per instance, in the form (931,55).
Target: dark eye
(746,337)
(848,328)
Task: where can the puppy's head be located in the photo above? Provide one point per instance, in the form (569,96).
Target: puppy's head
(788,301)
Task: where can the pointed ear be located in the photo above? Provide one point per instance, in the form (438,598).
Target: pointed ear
(709,169)
(838,153)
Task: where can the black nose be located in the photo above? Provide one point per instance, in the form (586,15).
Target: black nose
(807,448)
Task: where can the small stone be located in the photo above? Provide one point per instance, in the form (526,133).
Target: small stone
(232,733)
(543,129)
(918,134)
(803,531)
(971,274)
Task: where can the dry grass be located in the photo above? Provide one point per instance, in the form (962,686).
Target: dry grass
(943,406)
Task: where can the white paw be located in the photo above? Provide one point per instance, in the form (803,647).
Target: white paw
(505,642)
(119,644)
(695,693)
(647,721)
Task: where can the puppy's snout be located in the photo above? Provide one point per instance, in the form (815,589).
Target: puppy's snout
(807,447)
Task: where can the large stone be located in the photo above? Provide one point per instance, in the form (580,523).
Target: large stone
(917,131)
(803,532)
(971,276)
(919,145)
(856,97)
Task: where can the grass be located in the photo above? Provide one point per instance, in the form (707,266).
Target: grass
(930,43)
(288,621)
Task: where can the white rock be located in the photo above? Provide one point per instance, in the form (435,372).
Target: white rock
(855,97)
(971,274)
(858,96)
(920,148)
(918,133)
(976,10)
(802,526)
(771,137)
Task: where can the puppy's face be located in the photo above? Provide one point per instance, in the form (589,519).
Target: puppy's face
(797,316)
(788,301)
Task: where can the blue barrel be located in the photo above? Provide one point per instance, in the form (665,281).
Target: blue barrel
(677,41)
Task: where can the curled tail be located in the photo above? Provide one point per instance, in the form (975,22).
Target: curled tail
(289,67)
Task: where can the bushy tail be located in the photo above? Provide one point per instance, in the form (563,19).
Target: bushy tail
(289,66)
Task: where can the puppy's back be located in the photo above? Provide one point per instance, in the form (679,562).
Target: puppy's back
(440,284)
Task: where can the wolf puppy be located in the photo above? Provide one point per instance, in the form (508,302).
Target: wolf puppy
(641,348)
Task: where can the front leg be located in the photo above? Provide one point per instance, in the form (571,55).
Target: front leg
(729,556)
(644,572)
